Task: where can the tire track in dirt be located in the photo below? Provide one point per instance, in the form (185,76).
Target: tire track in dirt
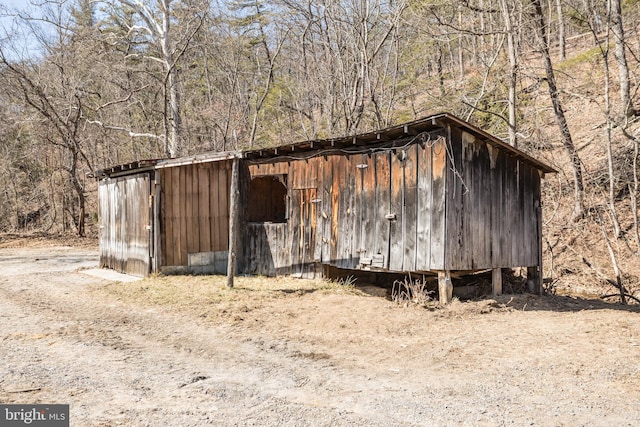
(120,355)
(328,360)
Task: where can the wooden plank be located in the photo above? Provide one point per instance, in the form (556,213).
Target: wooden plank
(357,167)
(368,210)
(174,240)
(318,164)
(498,212)
(515,212)
(191,210)
(459,205)
(383,205)
(396,226)
(496,281)
(294,226)
(214,206)
(438,178)
(166,216)
(184,237)
(157,228)
(308,232)
(204,215)
(410,208)
(336,189)
(423,215)
(445,287)
(482,196)
(348,256)
(327,208)
(223,197)
(233,221)
(508,212)
(486,190)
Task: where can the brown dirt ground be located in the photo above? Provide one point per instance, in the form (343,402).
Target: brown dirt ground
(186,351)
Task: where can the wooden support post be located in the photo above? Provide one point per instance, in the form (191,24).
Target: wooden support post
(233,220)
(534,280)
(445,288)
(156,186)
(496,281)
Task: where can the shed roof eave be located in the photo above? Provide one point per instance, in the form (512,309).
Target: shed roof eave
(425,124)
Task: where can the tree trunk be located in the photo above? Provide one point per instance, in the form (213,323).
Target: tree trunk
(513,73)
(174,119)
(615,11)
(567,141)
(608,141)
(561,33)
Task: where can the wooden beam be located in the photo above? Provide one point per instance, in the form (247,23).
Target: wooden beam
(445,287)
(233,220)
(409,131)
(534,284)
(496,281)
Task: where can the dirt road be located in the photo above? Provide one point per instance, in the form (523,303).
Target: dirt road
(312,358)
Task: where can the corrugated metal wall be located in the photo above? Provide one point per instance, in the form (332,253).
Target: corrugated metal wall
(194,216)
(124,224)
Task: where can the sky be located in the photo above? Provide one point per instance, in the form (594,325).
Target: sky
(20,44)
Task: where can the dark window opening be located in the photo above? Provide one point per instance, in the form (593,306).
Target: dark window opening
(268,199)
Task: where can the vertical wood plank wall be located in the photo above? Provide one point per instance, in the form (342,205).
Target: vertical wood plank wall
(415,208)
(194,211)
(356,211)
(492,201)
(125,224)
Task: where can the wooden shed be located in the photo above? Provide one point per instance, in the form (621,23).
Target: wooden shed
(434,195)
(168,216)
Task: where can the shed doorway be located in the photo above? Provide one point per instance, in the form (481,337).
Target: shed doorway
(268,199)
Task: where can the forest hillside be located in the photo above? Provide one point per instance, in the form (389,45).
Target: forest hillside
(89,84)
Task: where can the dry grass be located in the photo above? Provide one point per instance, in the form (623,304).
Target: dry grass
(45,240)
(211,297)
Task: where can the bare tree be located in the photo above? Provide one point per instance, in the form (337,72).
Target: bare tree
(543,47)
(155,22)
(617,28)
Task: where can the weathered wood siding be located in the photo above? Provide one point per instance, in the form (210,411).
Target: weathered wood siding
(194,217)
(383,210)
(492,207)
(125,227)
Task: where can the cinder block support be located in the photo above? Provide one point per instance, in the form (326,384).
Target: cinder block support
(496,281)
(445,287)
